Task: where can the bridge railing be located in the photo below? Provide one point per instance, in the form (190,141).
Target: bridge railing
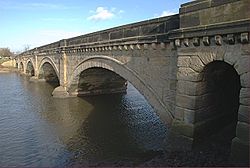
(154,30)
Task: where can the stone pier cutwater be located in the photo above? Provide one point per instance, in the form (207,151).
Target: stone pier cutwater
(192,67)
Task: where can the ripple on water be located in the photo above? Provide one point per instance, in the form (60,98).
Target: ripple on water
(38,130)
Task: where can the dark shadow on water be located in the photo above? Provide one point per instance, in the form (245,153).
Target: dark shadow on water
(111,135)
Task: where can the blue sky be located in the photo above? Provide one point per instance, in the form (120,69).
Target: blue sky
(35,23)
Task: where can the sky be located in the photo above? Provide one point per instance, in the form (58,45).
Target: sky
(32,23)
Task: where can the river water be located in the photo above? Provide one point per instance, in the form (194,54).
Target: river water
(39,130)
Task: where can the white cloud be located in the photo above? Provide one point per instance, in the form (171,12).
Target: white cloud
(101,13)
(166,13)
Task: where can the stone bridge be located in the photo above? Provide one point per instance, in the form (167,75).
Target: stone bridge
(192,67)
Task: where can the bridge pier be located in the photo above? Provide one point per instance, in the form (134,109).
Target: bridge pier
(60,92)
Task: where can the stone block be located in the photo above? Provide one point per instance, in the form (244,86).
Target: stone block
(245,49)
(186,101)
(245,93)
(245,101)
(207,56)
(232,54)
(242,65)
(179,113)
(242,132)
(116,34)
(152,29)
(245,79)
(188,74)
(191,88)
(196,64)
(221,2)
(194,6)
(194,102)
(243,114)
(189,20)
(189,116)
(131,32)
(183,61)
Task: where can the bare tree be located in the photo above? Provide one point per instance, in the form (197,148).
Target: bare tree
(26,47)
(5,52)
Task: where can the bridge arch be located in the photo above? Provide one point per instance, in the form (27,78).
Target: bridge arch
(211,91)
(51,62)
(48,70)
(126,73)
(21,66)
(221,92)
(30,68)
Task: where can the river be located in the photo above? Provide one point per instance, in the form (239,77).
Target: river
(39,130)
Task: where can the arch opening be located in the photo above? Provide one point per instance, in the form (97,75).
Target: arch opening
(21,67)
(219,113)
(30,69)
(48,74)
(95,80)
(126,73)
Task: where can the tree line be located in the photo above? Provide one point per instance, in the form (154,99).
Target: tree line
(6,53)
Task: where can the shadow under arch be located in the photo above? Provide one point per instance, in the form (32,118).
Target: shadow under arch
(48,71)
(30,68)
(219,113)
(129,75)
(51,62)
(21,67)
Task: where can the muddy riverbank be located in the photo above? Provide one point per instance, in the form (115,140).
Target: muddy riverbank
(7,69)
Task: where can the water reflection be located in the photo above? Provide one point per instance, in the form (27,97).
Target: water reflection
(38,130)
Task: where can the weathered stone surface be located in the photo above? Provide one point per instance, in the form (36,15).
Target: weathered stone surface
(193,102)
(242,132)
(191,88)
(179,113)
(189,116)
(245,101)
(245,92)
(231,54)
(183,61)
(243,114)
(188,74)
(196,64)
(245,80)
(207,56)
(245,49)
(206,12)
(242,65)
(169,76)
(60,92)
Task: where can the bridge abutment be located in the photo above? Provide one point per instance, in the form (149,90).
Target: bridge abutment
(213,32)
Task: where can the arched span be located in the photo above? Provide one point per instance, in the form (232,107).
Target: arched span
(51,62)
(31,61)
(21,66)
(30,69)
(128,74)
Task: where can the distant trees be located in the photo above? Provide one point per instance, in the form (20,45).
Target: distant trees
(5,52)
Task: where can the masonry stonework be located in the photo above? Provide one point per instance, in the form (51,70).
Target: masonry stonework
(183,65)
